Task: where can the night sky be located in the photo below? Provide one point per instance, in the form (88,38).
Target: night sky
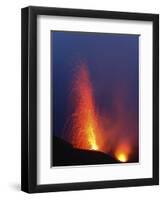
(112,60)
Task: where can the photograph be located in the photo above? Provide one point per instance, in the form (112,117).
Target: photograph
(94,98)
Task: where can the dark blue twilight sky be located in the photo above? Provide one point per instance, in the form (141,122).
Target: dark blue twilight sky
(112,61)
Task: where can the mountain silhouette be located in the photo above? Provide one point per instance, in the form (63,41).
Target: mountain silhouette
(64,154)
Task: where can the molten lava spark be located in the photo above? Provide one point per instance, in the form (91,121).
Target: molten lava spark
(85,130)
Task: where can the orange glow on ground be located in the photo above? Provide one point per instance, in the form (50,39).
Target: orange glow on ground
(122,152)
(122,157)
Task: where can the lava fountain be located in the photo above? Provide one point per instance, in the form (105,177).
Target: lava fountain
(85,127)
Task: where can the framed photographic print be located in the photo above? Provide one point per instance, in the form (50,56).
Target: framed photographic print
(90,99)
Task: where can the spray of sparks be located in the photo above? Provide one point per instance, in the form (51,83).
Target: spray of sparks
(85,127)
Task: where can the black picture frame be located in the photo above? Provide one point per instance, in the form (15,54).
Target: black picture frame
(29,99)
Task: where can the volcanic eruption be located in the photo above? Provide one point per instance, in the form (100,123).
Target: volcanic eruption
(95,98)
(85,129)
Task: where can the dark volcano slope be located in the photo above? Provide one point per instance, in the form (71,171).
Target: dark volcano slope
(63,154)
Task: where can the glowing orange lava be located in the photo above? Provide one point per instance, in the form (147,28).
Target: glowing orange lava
(85,131)
(122,152)
(122,157)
